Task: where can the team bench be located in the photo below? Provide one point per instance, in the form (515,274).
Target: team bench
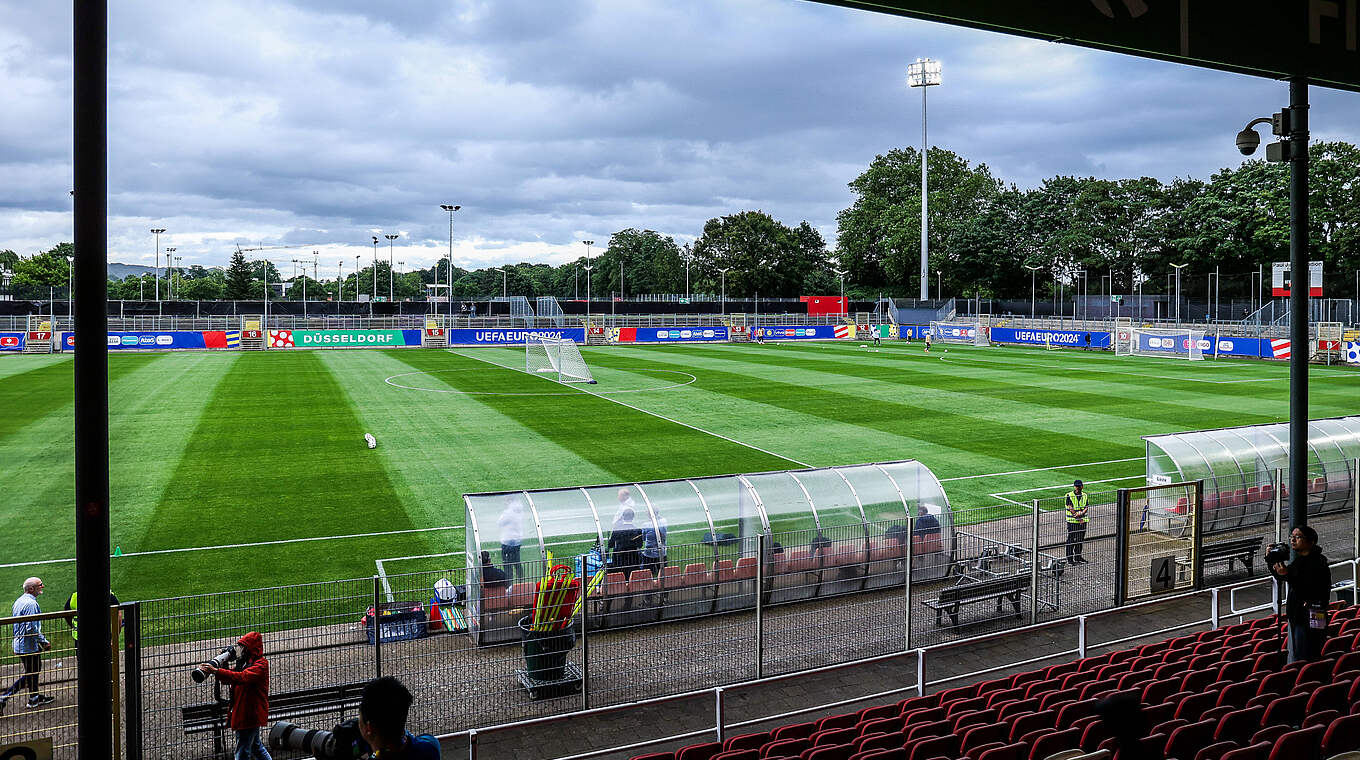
(339,700)
(1003,589)
(1242,550)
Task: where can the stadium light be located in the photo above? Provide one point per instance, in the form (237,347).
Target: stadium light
(1032,270)
(356,276)
(449,208)
(504,279)
(375,275)
(924,74)
(1178,268)
(724,290)
(391,289)
(340,282)
(841,272)
(304,283)
(588,266)
(157,232)
(170,266)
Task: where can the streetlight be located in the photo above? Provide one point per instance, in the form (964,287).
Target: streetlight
(939,285)
(179,279)
(841,272)
(170,265)
(449,208)
(723,272)
(924,73)
(340,283)
(505,278)
(588,266)
(304,283)
(375,272)
(391,289)
(1178,268)
(1032,270)
(157,232)
(356,276)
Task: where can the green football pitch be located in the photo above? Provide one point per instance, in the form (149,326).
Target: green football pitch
(245,470)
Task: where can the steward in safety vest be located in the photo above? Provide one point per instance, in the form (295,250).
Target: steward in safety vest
(1075,509)
(74,620)
(1076,503)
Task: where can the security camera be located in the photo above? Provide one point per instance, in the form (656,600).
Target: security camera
(1247,141)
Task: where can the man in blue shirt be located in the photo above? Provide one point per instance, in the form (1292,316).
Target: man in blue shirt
(29,644)
(382,721)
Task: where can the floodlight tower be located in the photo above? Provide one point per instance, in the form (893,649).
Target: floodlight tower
(448,291)
(588,266)
(924,74)
(157,232)
(1032,270)
(841,273)
(1178,268)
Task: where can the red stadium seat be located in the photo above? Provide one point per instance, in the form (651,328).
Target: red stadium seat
(1259,751)
(703,751)
(830,736)
(927,730)
(1278,683)
(1136,678)
(1016,751)
(876,742)
(1286,711)
(1019,708)
(1333,696)
(1347,661)
(1029,722)
(924,715)
(1306,742)
(1005,695)
(1188,739)
(1094,733)
(1305,688)
(1343,735)
(1239,723)
(877,711)
(1320,670)
(1157,691)
(1096,688)
(1234,670)
(1269,734)
(958,692)
(1196,680)
(1337,646)
(880,725)
(939,746)
(965,705)
(912,703)
(829,752)
(844,720)
(793,731)
(1215,751)
(1056,697)
(1038,688)
(785,747)
(1322,718)
(976,736)
(1195,705)
(1054,742)
(746,741)
(973,718)
(1071,712)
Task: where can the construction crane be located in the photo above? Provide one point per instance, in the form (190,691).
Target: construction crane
(239,249)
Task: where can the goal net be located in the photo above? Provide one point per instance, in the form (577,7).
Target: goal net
(967,333)
(1177,344)
(558,358)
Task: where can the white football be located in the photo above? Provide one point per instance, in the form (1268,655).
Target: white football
(372,442)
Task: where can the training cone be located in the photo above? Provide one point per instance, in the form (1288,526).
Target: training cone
(117,551)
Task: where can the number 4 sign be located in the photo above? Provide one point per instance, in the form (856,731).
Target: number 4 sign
(1163,576)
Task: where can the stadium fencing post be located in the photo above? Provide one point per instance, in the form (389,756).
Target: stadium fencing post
(760,610)
(132,671)
(585,647)
(906,584)
(718,714)
(1197,536)
(1355,511)
(920,672)
(472,744)
(1213,608)
(377,629)
(1034,566)
(1081,637)
(1279,504)
(1121,544)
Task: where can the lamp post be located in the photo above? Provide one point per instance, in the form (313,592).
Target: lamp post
(924,74)
(449,208)
(1032,270)
(939,285)
(157,232)
(304,284)
(723,297)
(505,275)
(841,272)
(1178,268)
(375,273)
(391,289)
(170,265)
(588,266)
(356,276)
(340,282)
(179,281)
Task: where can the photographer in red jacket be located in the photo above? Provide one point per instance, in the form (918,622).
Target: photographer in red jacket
(249,683)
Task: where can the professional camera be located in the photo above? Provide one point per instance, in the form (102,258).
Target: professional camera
(344,742)
(228,654)
(1276,553)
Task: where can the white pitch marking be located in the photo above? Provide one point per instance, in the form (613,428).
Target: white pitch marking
(382,572)
(241,546)
(1042,469)
(1221,382)
(654,414)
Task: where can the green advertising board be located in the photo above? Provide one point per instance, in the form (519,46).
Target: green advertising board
(343,338)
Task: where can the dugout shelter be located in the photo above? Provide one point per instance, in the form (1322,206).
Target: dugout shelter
(1239,468)
(825,531)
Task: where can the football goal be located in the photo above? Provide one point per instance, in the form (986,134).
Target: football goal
(968,333)
(558,358)
(1177,344)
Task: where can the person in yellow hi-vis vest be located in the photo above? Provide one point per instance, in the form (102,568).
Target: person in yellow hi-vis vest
(1075,510)
(73,622)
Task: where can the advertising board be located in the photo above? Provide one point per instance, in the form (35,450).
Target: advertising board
(800,332)
(670,334)
(1064,338)
(11,341)
(342,338)
(464,336)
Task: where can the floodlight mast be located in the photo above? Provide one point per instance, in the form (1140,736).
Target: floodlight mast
(924,73)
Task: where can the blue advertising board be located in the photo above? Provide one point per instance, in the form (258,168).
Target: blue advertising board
(812,332)
(142,341)
(11,341)
(464,336)
(1063,338)
(673,334)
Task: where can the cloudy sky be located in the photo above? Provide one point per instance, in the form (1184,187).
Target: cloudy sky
(321,124)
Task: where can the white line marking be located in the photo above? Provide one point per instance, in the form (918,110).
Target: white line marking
(382,571)
(1221,382)
(1065,485)
(654,414)
(241,546)
(387,587)
(1042,469)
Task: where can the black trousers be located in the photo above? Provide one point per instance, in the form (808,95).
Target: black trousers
(32,666)
(1076,534)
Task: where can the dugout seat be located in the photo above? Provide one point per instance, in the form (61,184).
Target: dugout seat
(692,593)
(843,568)
(887,565)
(797,577)
(736,584)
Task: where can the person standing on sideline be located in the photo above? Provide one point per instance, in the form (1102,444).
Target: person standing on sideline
(29,644)
(1310,583)
(511,526)
(249,709)
(1074,506)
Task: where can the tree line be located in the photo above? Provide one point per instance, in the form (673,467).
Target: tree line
(986,238)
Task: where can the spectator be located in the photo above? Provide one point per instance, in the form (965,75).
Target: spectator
(926,532)
(249,706)
(1310,583)
(29,644)
(625,543)
(382,722)
(493,577)
(1123,717)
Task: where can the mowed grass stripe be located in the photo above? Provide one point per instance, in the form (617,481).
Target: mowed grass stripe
(990,388)
(905,417)
(49,388)
(277,454)
(630,444)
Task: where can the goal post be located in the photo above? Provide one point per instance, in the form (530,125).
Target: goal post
(1171,343)
(1123,336)
(557,358)
(966,333)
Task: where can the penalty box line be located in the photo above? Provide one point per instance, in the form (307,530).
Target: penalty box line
(241,546)
(645,411)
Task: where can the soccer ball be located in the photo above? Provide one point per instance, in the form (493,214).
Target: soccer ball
(370,440)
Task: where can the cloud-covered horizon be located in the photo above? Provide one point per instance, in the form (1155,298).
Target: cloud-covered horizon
(265,122)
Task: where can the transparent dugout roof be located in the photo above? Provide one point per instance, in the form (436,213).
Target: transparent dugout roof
(1245,458)
(840,501)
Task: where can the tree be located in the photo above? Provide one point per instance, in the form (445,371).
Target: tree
(44,271)
(203,289)
(764,255)
(240,279)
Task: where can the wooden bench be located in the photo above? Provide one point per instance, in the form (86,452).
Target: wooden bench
(1242,550)
(1007,588)
(338,699)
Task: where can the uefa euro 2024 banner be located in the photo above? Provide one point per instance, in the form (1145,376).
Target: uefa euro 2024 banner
(464,336)
(1065,338)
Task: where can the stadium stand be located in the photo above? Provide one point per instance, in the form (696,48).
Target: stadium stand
(1212,695)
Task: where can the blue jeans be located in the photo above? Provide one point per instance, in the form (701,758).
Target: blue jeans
(249,746)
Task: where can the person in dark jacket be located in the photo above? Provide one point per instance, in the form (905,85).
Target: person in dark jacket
(249,709)
(1310,584)
(382,722)
(625,543)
